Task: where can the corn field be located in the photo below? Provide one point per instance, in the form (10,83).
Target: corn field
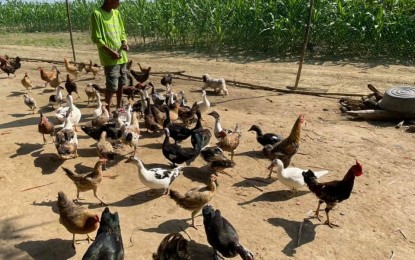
(341,28)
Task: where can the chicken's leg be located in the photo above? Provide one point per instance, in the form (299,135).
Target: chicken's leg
(96,196)
(193,219)
(89,239)
(317,215)
(73,241)
(328,208)
(44,140)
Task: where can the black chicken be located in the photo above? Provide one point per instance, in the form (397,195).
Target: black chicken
(265,139)
(141,76)
(173,247)
(222,236)
(108,241)
(166,80)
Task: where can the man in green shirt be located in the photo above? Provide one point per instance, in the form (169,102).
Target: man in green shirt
(108,34)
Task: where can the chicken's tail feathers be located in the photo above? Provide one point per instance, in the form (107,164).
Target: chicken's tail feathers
(244,253)
(69,173)
(320,173)
(177,197)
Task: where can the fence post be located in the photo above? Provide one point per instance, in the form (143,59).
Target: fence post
(306,34)
(70,29)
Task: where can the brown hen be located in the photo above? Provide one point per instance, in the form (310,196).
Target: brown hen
(76,219)
(288,147)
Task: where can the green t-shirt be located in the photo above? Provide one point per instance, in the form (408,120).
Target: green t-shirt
(108,29)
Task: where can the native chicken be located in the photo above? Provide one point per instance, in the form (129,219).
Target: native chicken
(45,128)
(90,93)
(71,69)
(27,82)
(222,236)
(30,102)
(47,76)
(88,181)
(56,81)
(105,149)
(332,192)
(231,141)
(108,241)
(71,86)
(195,198)
(76,219)
(288,147)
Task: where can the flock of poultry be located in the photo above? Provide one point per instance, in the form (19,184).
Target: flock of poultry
(168,114)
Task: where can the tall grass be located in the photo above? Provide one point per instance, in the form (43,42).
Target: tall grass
(370,28)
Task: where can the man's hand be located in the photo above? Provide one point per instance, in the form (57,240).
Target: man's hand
(113,54)
(125,47)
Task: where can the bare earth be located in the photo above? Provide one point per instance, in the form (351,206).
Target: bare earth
(378,220)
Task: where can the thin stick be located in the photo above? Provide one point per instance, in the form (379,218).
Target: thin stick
(393,181)
(37,187)
(400,231)
(184,231)
(393,254)
(256,187)
(299,233)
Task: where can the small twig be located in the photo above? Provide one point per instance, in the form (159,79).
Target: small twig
(184,231)
(131,238)
(299,233)
(310,137)
(256,187)
(302,153)
(37,187)
(400,231)
(393,254)
(393,181)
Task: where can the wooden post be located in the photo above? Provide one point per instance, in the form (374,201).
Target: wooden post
(70,29)
(306,34)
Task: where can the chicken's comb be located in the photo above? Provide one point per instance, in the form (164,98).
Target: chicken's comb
(358,164)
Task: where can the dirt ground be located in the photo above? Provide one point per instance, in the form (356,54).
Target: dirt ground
(376,222)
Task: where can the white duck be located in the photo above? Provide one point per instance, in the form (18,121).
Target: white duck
(291,177)
(66,140)
(98,110)
(129,111)
(75,116)
(203,105)
(155,178)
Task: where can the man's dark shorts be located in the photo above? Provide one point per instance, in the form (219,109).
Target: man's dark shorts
(115,76)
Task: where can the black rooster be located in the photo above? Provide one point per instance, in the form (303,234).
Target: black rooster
(10,67)
(222,236)
(108,242)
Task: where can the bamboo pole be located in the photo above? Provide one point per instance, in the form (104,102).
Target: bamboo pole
(70,29)
(306,34)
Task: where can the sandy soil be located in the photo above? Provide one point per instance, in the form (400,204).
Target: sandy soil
(268,223)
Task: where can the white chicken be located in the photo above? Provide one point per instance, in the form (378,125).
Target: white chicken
(75,115)
(291,177)
(155,178)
